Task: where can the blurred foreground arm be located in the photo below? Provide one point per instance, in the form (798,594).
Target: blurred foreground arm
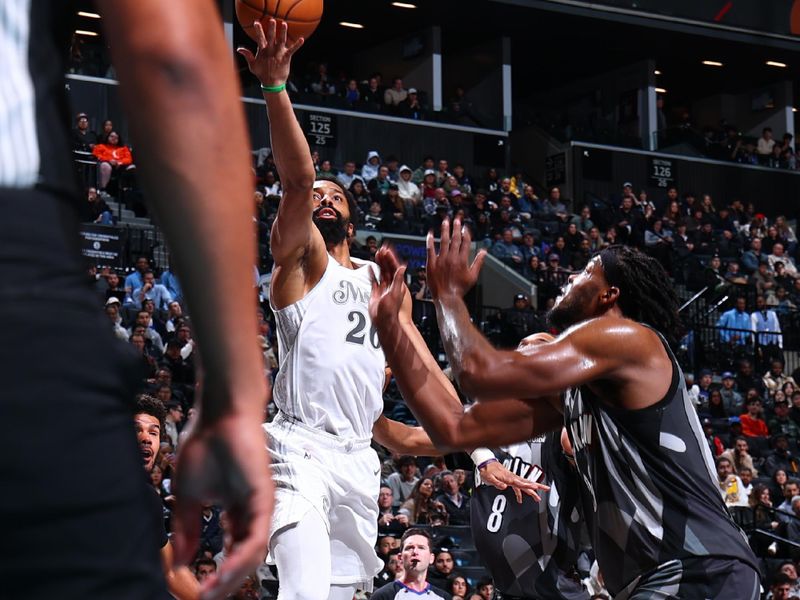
(181,96)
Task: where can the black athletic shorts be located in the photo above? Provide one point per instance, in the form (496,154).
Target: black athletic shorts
(76,516)
(710,578)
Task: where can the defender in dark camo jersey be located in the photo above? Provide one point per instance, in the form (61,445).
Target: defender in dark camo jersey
(656,519)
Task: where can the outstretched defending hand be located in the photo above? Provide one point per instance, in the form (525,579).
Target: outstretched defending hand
(388,293)
(449,272)
(225,463)
(273,57)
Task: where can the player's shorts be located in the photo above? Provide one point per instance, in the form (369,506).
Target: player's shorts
(337,477)
(711,578)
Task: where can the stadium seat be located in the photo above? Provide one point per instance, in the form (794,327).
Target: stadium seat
(453,536)
(473,575)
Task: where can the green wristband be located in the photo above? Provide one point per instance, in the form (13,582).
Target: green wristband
(273,89)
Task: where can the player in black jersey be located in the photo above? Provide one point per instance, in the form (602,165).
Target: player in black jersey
(528,545)
(657,523)
(67,399)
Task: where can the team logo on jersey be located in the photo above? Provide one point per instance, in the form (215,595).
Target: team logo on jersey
(520,468)
(527,471)
(350,292)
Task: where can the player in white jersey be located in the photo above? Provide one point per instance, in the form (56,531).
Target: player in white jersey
(331,378)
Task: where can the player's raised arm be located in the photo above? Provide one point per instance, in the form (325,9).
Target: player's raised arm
(430,395)
(182,98)
(293,232)
(578,356)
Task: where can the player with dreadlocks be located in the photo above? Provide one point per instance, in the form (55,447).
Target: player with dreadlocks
(658,525)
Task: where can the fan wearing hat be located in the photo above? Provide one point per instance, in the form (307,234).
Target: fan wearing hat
(518,322)
(112,312)
(782,424)
(411,107)
(83,138)
(731,398)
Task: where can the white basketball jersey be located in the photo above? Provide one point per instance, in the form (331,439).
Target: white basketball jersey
(331,372)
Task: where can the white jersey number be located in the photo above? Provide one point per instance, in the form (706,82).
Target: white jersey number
(496,516)
(355,335)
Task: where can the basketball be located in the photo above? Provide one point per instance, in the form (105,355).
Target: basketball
(302,16)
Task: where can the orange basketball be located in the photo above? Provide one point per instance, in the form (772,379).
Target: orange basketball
(302,16)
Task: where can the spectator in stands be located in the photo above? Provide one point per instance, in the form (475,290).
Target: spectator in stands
(420,172)
(783,305)
(108,127)
(321,83)
(112,157)
(779,255)
(753,257)
(730,484)
(99,212)
(765,144)
(659,243)
(629,223)
(733,274)
(735,325)
(411,107)
(745,379)
(786,233)
(485,588)
(421,504)
(457,585)
(392,567)
(370,169)
(782,424)
(442,172)
(442,568)
(83,138)
(145,322)
(770,239)
(705,379)
(764,516)
(768,336)
(507,251)
(714,443)
(417,555)
(394,95)
(789,569)
(173,422)
(372,95)
(764,281)
(112,312)
(151,290)
(753,424)
(352,94)
(409,191)
(746,475)
(403,481)
(348,174)
(455,503)
(775,378)
(781,458)
(554,208)
(389,521)
(731,399)
(715,406)
(784,509)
